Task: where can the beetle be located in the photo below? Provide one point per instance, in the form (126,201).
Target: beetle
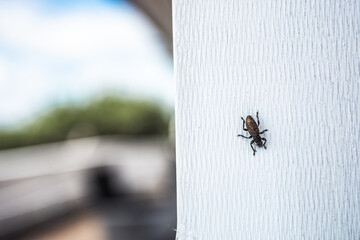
(253,129)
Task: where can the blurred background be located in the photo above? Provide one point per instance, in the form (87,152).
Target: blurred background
(86,120)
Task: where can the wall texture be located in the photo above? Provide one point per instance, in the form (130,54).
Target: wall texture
(296,62)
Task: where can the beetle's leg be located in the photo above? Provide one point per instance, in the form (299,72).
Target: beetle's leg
(251,145)
(243,124)
(257,116)
(264,131)
(239,135)
(264,142)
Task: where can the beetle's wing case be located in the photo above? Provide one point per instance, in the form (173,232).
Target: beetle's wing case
(252,126)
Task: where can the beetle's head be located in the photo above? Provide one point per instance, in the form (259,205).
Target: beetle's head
(258,141)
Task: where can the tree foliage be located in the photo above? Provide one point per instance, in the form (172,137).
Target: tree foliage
(104,116)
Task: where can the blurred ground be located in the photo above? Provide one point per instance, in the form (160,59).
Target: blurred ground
(85,226)
(107,187)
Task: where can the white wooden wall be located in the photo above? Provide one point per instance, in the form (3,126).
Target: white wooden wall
(298,63)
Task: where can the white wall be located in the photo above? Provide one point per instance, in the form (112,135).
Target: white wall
(296,62)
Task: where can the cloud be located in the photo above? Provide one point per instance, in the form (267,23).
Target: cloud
(77,33)
(74,53)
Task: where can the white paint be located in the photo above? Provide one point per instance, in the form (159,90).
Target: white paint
(296,62)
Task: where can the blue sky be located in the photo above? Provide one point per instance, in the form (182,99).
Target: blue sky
(53,52)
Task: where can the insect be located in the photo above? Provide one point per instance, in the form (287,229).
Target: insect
(253,129)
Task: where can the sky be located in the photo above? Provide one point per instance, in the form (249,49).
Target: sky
(54,52)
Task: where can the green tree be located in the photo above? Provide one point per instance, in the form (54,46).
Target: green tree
(107,115)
